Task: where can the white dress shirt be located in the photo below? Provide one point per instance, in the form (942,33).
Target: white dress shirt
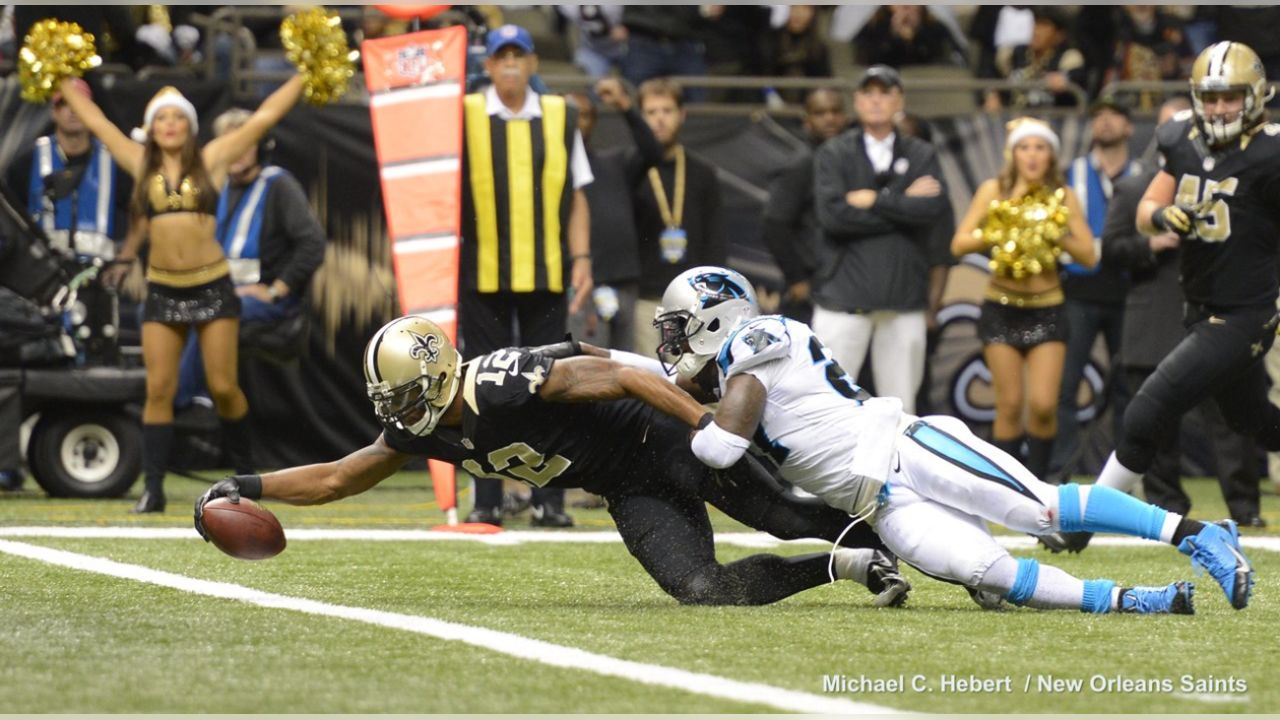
(879,152)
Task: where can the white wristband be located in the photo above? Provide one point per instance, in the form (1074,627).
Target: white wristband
(718,447)
(640,362)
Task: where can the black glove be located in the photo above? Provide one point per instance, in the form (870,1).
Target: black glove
(232,488)
(1174,219)
(564,349)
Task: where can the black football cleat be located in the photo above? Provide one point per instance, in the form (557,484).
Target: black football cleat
(488,516)
(547,518)
(885,581)
(1069,541)
(149,503)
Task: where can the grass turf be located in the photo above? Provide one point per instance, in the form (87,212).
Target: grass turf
(79,642)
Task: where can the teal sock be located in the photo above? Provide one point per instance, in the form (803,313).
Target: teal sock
(1107,510)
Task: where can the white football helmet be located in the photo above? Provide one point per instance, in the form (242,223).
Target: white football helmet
(700,307)
(1223,67)
(411,374)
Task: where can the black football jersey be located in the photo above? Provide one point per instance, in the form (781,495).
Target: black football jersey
(509,432)
(1231,262)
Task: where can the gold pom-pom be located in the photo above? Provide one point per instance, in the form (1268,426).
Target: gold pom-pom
(314,42)
(1023,233)
(53,50)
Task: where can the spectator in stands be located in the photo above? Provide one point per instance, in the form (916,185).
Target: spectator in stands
(796,50)
(878,195)
(602,38)
(8,38)
(1022,327)
(677,202)
(735,37)
(790,223)
(69,174)
(1152,328)
(189,281)
(95,19)
(1049,57)
(272,240)
(525,228)
(615,251)
(665,40)
(1150,46)
(1094,296)
(899,35)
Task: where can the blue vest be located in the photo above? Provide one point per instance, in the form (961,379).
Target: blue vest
(240,228)
(1093,188)
(94,200)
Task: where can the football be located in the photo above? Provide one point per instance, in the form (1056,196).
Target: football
(244,530)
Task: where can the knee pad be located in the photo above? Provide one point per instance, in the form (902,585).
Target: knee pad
(704,586)
(1024,583)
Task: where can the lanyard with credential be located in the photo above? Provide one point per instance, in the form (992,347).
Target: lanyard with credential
(673,242)
(669,218)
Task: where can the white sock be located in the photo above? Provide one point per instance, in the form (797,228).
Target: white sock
(1116,475)
(1171,522)
(1055,589)
(852,564)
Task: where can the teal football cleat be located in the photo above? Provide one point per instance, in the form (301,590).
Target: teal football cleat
(1172,600)
(1216,548)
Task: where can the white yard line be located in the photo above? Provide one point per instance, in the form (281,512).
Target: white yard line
(518,537)
(496,641)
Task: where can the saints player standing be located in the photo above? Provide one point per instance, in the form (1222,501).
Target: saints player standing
(1219,191)
(537,416)
(927,483)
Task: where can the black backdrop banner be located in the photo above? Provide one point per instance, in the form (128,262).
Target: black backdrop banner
(314,410)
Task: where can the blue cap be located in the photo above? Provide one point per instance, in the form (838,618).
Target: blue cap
(508,35)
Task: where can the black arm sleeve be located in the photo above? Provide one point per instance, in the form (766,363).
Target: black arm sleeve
(650,152)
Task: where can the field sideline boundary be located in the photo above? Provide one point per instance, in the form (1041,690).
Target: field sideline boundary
(517,537)
(504,643)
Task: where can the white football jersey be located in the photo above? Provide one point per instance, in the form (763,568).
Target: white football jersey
(823,432)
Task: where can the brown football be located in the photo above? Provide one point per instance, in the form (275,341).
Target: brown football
(245,530)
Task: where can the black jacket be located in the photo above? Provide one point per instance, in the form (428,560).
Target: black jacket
(878,258)
(1153,308)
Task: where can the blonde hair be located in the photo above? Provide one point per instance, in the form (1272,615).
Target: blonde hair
(230,120)
(1018,130)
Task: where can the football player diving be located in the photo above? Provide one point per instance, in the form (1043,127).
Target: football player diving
(545,418)
(925,484)
(1218,190)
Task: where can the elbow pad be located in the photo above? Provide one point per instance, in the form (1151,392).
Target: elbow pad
(718,447)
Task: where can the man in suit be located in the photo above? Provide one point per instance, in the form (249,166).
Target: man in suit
(878,197)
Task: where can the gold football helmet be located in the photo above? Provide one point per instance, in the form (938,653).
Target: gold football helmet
(411,374)
(1223,67)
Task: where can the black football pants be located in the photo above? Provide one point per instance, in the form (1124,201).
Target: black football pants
(661,514)
(1221,357)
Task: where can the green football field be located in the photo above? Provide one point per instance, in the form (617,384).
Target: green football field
(135,614)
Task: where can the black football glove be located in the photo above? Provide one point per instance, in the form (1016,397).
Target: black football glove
(232,488)
(564,349)
(1174,219)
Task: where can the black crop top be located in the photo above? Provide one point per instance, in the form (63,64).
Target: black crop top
(187,198)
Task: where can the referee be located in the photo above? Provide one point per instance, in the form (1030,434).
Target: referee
(525,227)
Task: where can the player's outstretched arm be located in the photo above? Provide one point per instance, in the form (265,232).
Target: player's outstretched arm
(723,441)
(310,484)
(590,379)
